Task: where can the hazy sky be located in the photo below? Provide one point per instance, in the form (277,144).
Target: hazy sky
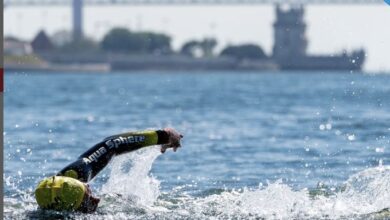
(330,28)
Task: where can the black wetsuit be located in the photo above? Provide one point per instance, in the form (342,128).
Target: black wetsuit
(90,163)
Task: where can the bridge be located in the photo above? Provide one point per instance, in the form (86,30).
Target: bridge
(77,5)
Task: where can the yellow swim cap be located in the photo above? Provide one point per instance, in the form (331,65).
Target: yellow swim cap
(60,193)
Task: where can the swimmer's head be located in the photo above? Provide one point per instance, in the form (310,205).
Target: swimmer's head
(65,194)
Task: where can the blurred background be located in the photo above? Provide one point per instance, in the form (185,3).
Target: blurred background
(109,35)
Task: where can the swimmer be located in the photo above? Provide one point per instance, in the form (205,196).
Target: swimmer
(68,190)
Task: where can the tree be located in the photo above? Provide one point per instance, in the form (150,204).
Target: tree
(116,40)
(189,48)
(205,47)
(157,43)
(123,41)
(80,45)
(245,51)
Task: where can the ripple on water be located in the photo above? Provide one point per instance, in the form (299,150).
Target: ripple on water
(132,193)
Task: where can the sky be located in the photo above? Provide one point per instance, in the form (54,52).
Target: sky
(331,28)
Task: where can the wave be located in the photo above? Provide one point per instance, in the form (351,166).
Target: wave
(132,192)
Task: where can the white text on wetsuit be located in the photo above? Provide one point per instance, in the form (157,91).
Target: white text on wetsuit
(95,155)
(124,140)
(115,143)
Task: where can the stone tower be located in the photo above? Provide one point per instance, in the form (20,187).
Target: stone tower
(289,34)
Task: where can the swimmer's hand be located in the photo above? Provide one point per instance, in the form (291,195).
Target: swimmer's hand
(174,140)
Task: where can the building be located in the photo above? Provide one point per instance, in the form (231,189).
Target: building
(42,42)
(16,47)
(290,46)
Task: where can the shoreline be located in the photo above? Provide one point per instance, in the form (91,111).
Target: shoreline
(103,68)
(93,68)
(184,72)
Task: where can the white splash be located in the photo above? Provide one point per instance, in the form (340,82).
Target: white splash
(132,193)
(364,193)
(130,177)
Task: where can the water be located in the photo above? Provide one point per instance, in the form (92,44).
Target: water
(272,146)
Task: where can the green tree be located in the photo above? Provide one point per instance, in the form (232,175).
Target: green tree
(205,46)
(156,42)
(81,45)
(245,51)
(188,48)
(116,40)
(135,43)
(123,41)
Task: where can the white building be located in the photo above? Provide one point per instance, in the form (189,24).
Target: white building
(15,47)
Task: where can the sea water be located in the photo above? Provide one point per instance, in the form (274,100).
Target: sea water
(256,145)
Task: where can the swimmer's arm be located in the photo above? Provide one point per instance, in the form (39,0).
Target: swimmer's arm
(97,157)
(131,141)
(91,162)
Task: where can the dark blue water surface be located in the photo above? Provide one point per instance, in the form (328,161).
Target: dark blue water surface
(248,138)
